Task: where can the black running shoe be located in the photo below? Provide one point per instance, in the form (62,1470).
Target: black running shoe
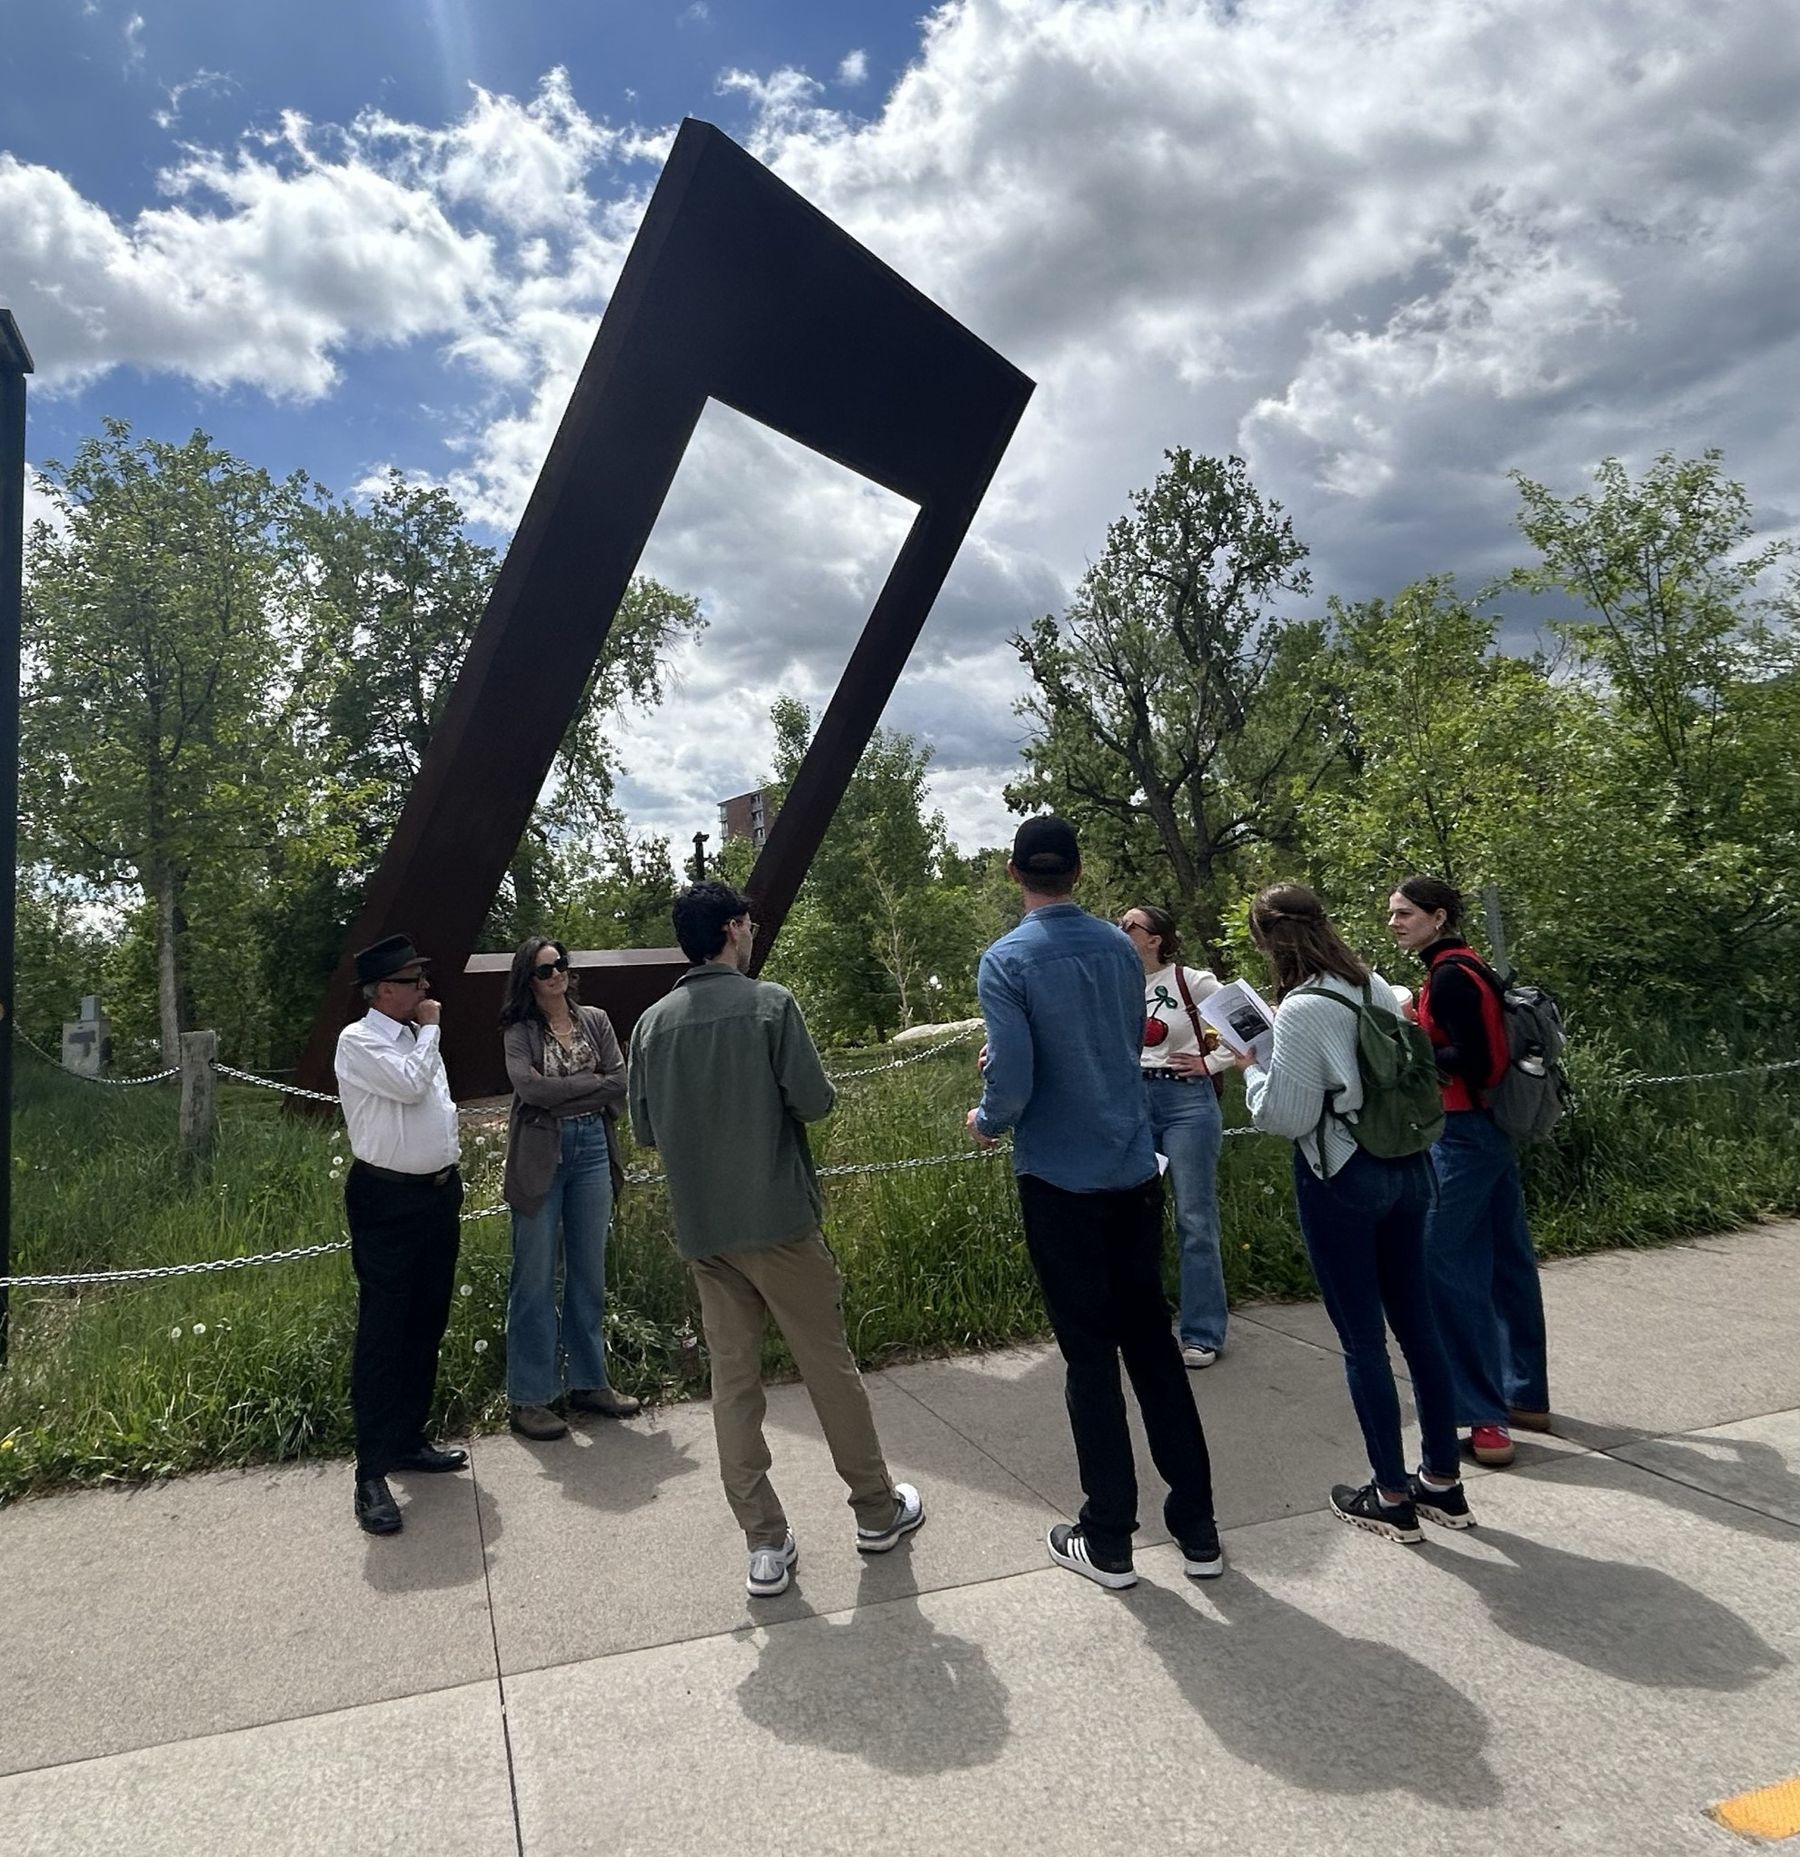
(1449,1508)
(1363,1508)
(1070,1547)
(1203,1558)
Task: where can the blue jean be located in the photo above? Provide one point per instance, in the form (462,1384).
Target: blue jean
(580,1203)
(1365,1233)
(1185,1120)
(1484,1273)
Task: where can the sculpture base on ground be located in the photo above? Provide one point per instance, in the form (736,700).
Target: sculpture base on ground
(622,982)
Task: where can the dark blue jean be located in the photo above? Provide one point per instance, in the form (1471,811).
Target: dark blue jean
(580,1206)
(1187,1127)
(1365,1233)
(1484,1273)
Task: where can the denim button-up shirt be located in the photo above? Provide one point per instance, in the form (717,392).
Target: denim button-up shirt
(1063,997)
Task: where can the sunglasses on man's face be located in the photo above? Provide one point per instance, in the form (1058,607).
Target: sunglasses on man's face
(408,980)
(545,969)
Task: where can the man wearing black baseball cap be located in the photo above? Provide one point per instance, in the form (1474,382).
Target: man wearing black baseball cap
(1063,997)
(403,1198)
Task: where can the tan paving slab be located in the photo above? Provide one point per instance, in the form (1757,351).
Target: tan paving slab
(424,1774)
(1279,1425)
(1585,1673)
(1642,1343)
(619,1535)
(1755,1463)
(222,1601)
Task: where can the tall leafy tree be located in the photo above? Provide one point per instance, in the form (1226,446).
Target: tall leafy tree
(1175,715)
(152,757)
(886,929)
(1669,629)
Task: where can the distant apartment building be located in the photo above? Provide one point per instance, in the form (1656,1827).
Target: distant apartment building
(749,816)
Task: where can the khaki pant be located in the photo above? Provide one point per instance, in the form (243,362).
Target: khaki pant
(798,1284)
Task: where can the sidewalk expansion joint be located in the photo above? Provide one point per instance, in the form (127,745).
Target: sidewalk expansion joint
(487,1583)
(981,1450)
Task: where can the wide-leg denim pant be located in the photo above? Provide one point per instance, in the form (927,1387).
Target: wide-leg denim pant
(1188,1128)
(1484,1273)
(579,1208)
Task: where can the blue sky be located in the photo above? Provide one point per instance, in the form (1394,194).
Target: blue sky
(1386,250)
(107,102)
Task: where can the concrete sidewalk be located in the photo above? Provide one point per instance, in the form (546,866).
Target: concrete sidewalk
(558,1656)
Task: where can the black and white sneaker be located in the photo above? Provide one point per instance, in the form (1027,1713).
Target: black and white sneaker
(1203,1559)
(1070,1548)
(1363,1508)
(1448,1508)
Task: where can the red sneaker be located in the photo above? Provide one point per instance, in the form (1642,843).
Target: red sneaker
(1492,1444)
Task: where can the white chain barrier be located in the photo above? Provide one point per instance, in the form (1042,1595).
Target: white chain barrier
(912,1057)
(150,1273)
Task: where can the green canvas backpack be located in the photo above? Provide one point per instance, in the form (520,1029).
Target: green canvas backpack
(1403,1106)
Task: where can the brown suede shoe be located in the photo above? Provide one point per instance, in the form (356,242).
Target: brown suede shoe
(537,1422)
(604,1400)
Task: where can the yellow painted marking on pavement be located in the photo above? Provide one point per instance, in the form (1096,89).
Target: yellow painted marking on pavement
(1773,1812)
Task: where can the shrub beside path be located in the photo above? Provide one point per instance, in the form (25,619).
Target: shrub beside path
(557,1655)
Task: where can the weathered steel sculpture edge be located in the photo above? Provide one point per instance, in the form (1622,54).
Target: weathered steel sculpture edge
(737,290)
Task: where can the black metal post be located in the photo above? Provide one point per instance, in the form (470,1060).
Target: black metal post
(15,364)
(699,864)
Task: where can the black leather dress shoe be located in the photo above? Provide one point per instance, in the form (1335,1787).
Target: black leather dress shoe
(376,1510)
(428,1457)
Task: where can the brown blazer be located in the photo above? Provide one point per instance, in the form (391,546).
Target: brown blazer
(539,1104)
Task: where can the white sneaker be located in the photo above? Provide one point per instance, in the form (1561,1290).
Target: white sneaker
(770,1568)
(1198,1357)
(909,1512)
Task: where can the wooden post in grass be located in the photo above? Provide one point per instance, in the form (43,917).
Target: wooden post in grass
(199,1096)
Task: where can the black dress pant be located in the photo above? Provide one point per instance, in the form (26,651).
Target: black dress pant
(1098,1258)
(404,1236)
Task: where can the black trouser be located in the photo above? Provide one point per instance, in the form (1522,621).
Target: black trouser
(403,1241)
(1098,1258)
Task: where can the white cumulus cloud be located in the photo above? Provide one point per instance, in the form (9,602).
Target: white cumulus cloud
(1387,250)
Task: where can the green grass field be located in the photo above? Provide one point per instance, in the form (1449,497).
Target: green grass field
(243,1366)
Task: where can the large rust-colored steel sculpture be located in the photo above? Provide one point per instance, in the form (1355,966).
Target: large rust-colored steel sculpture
(735,290)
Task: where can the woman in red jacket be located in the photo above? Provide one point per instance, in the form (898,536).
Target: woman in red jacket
(1483,1270)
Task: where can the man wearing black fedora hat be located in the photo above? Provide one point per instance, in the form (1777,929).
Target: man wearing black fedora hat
(403,1197)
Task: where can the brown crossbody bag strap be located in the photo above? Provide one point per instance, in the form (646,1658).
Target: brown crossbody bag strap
(1187,999)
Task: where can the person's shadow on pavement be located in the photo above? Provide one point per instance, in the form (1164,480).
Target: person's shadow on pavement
(1313,1706)
(1638,1624)
(442,1543)
(616,1464)
(885,1685)
(1738,1483)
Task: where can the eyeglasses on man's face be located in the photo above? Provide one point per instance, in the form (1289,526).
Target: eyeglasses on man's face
(545,969)
(408,980)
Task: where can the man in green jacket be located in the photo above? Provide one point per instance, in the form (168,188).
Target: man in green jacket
(723,1079)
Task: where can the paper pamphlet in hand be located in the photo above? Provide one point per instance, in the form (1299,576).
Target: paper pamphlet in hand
(1240,1017)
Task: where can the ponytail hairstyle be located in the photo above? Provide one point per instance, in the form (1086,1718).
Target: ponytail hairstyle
(1289,924)
(1433,893)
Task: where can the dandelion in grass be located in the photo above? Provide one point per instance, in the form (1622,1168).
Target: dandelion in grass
(174,1334)
(199,1328)
(481,1347)
(468,1289)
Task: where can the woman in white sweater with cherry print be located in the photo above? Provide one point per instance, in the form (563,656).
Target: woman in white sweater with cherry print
(1183,1105)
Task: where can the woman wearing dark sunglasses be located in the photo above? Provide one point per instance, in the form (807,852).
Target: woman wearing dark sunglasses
(562,1174)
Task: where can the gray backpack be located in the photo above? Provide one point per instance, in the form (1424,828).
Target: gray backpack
(1532,1094)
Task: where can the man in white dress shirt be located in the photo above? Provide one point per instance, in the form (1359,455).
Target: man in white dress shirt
(403,1197)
